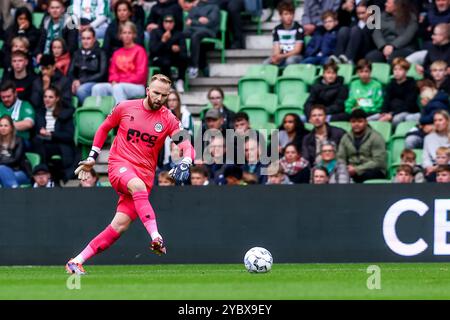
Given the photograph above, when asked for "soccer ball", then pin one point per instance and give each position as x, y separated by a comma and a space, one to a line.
258, 259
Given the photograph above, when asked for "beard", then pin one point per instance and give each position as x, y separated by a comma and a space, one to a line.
154, 106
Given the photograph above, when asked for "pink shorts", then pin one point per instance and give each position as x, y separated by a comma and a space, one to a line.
119, 176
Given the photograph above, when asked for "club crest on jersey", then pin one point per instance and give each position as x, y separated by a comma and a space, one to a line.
158, 127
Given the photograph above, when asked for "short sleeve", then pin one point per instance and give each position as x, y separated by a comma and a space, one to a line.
275, 35
27, 112
300, 34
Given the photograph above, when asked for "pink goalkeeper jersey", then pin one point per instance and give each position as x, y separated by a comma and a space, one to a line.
140, 137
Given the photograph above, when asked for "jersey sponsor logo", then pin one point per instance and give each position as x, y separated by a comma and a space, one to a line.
135, 136
158, 127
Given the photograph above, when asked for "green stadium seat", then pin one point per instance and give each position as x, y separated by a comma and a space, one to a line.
345, 125
396, 147
346, 71
382, 72
1, 44
75, 101
294, 100
412, 72
104, 103
403, 128
266, 101
258, 117
382, 127
33, 158
87, 121
37, 19
287, 86
105, 183
305, 72
219, 43
377, 181
267, 72
250, 86
100, 42
419, 154
309, 126
1, 72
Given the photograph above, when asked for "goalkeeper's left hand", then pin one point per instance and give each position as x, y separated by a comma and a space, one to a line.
181, 172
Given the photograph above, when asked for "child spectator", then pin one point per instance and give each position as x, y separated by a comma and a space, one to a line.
313, 10
92, 14
431, 100
92, 180
165, 180
408, 157
21, 112
88, 66
128, 68
329, 91
320, 175
443, 174
55, 26
397, 35
400, 100
199, 176
404, 174
123, 11
287, 38
439, 138
363, 150
21, 74
50, 76
61, 55
442, 158
12, 155
54, 135
167, 49
42, 177
276, 175
296, 167
292, 130
337, 170
234, 176
23, 27
202, 21
323, 42
365, 93
355, 41
440, 77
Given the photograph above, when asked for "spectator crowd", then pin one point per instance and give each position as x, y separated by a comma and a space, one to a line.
83, 48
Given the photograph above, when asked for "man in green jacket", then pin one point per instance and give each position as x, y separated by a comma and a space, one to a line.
363, 150
365, 93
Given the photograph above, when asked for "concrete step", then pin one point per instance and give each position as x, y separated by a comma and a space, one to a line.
241, 56
235, 70
258, 42
204, 84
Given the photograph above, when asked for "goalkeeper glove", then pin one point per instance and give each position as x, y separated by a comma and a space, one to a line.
181, 172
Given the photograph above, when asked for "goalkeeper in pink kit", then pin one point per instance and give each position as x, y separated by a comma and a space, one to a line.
143, 126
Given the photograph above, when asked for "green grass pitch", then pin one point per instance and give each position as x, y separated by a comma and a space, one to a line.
229, 281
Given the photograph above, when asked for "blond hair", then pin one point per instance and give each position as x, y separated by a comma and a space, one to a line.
443, 150
440, 64
162, 78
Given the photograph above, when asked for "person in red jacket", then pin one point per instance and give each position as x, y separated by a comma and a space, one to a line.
128, 68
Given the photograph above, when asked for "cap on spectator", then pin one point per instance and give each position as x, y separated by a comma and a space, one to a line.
425, 120
47, 60
42, 167
358, 114
168, 17
213, 114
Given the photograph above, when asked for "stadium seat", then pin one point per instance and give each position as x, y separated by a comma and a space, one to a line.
382, 127
396, 147
105, 103
87, 121
219, 43
231, 101
105, 183
1, 44
309, 126
258, 117
346, 71
250, 86
382, 72
75, 101
1, 72
305, 72
265, 101
377, 181
267, 72
294, 100
37, 19
287, 86
33, 158
345, 125
419, 154
412, 72
403, 128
